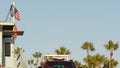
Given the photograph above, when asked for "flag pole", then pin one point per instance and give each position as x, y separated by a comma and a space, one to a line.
13, 18
13, 12
7, 15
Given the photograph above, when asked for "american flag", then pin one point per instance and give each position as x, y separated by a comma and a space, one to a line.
17, 15
14, 12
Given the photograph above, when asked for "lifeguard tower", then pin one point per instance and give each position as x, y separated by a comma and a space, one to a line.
7, 44
8, 33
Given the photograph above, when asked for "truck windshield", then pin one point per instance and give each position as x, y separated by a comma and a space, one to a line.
60, 65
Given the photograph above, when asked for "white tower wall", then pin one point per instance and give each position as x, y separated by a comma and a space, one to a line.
8, 60
0, 45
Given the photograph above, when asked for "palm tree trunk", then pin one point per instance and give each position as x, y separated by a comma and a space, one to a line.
99, 66
111, 54
88, 57
37, 62
87, 51
93, 66
30, 64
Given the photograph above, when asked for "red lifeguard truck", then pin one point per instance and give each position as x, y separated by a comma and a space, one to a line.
57, 61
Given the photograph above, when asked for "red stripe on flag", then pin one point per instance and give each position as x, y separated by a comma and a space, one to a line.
17, 15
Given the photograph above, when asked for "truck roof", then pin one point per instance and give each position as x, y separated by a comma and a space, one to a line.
58, 61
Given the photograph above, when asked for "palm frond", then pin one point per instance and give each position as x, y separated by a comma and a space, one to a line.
62, 51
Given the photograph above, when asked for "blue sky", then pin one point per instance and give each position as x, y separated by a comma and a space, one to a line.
53, 23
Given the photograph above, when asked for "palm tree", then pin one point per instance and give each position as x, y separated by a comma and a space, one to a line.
99, 60
114, 63
17, 51
94, 61
48, 58
84, 66
30, 62
90, 60
37, 55
88, 46
77, 63
62, 51
41, 63
106, 63
111, 46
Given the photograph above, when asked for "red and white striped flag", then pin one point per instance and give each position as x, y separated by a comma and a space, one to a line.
14, 12
17, 15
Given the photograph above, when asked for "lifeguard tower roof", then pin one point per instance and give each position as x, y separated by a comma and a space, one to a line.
7, 29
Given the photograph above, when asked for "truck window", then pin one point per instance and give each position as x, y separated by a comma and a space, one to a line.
60, 65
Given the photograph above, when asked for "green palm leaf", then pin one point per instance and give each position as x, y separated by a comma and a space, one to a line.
62, 51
